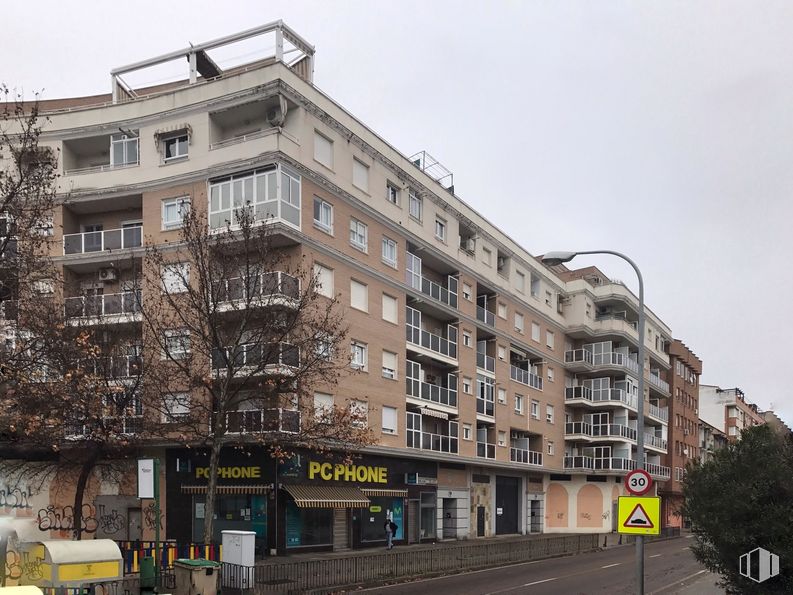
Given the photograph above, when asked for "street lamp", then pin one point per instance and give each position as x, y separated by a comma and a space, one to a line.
557, 258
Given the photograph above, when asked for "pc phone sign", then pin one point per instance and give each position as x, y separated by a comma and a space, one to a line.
638, 482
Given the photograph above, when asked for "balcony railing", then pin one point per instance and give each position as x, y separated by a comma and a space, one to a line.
613, 464
525, 377
659, 470
431, 392
258, 421
616, 316
124, 425
485, 407
256, 355
578, 462
603, 395
115, 366
615, 359
658, 382
578, 393
657, 412
613, 431
529, 457
98, 306
576, 356
429, 441
485, 316
432, 289
99, 241
486, 450
431, 341
275, 283
577, 428
485, 362
654, 441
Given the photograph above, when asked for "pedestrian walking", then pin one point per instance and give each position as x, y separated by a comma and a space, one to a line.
389, 534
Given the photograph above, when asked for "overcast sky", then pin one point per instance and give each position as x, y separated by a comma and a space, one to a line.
660, 129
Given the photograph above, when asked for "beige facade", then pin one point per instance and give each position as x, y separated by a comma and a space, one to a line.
517, 381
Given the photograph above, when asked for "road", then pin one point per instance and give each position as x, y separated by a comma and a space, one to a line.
670, 567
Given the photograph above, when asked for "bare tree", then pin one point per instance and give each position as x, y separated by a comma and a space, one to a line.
238, 339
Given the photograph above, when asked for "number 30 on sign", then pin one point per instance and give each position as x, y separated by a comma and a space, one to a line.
638, 482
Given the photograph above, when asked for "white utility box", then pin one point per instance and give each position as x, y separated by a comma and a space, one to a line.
238, 550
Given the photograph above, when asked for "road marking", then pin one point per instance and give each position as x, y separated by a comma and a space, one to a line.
538, 582
610, 565
689, 536
685, 548
656, 555
677, 582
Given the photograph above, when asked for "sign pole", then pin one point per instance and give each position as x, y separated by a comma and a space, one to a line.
157, 560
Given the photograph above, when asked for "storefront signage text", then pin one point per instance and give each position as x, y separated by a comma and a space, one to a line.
339, 472
231, 472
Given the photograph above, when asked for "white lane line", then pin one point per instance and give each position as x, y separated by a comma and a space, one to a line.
685, 548
656, 555
677, 583
610, 565
689, 536
538, 582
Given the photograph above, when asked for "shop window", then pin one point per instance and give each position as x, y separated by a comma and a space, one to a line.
428, 515
380, 509
308, 526
234, 512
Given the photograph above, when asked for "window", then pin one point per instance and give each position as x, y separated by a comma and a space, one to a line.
466, 431
360, 175
123, 150
502, 310
389, 308
45, 226
323, 215
324, 280
487, 256
323, 405
440, 229
175, 277
535, 285
548, 298
177, 344
467, 385
535, 409
359, 234
360, 356
550, 447
389, 365
549, 338
323, 150
392, 193
359, 295
502, 396
550, 375
174, 211
520, 281
174, 147
518, 321
176, 407
467, 342
359, 411
467, 291
519, 404
502, 352
535, 332
549, 413
389, 252
324, 347
502, 438
389, 420
416, 205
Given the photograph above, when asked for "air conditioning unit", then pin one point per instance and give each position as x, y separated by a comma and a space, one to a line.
468, 244
276, 114
108, 274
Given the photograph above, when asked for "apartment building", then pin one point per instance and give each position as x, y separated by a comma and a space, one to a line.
711, 439
728, 410
776, 422
503, 394
684, 432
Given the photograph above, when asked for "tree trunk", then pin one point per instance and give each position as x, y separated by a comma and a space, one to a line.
212, 482
79, 492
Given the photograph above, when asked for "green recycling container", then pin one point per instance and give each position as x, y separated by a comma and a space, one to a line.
147, 578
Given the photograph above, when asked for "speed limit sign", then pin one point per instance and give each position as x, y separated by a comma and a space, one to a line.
638, 482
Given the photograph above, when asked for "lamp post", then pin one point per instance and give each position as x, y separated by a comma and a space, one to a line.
556, 258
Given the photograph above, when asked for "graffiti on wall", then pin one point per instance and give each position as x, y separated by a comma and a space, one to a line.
111, 522
150, 517
61, 518
16, 497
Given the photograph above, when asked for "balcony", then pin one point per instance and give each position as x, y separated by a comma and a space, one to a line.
613, 396
659, 413
258, 421
111, 307
123, 425
115, 366
658, 471
431, 392
528, 457
485, 407
429, 441
262, 287
613, 464
446, 295
99, 241
577, 428
525, 377
99, 153
485, 316
578, 462
584, 359
578, 359
485, 362
256, 358
658, 383
432, 342
654, 441
613, 432
486, 450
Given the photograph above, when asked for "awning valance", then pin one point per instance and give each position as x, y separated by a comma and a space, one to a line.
433, 413
252, 489
385, 492
327, 496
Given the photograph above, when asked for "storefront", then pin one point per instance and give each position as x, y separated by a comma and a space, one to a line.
329, 504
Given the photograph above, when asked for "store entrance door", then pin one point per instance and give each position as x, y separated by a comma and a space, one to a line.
413, 521
341, 530
536, 516
507, 499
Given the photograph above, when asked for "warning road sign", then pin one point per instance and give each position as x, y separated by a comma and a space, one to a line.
639, 515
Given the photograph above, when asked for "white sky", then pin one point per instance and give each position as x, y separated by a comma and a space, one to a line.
660, 129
